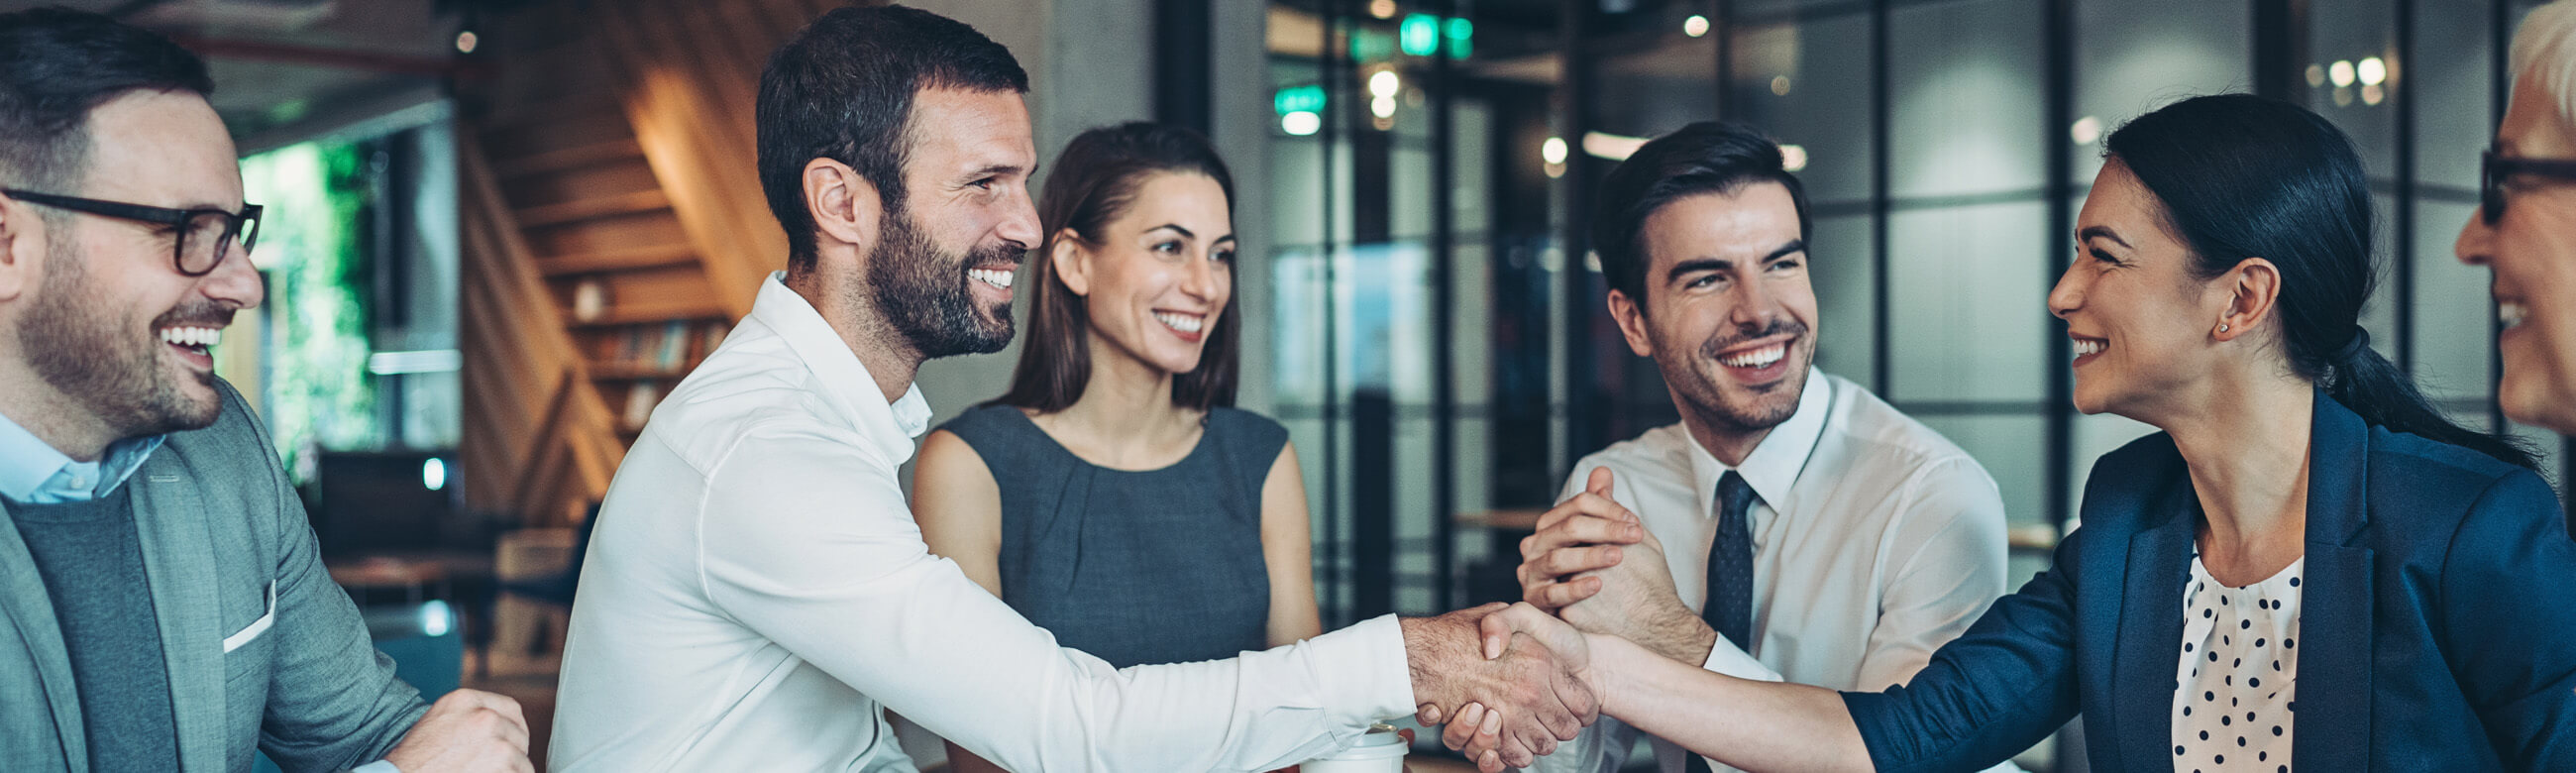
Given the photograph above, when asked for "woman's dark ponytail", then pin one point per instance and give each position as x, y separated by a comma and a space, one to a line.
2242, 176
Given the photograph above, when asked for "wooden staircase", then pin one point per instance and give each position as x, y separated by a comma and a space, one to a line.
615, 227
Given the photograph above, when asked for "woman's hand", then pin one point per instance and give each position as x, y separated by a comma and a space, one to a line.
1556, 635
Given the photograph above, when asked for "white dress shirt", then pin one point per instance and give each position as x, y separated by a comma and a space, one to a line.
1875, 542
756, 588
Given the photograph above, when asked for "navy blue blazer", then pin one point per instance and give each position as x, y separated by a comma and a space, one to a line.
2438, 622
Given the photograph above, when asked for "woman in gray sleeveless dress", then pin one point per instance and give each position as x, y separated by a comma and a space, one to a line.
1113, 496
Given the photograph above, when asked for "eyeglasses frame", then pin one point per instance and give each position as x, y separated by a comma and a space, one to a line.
243, 225
2495, 168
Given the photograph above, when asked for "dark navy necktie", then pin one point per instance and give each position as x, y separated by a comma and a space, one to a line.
1730, 564
1730, 573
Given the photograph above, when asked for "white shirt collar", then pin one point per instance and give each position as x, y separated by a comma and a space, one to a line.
1774, 465
845, 382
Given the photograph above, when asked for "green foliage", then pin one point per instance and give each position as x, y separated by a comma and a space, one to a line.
319, 394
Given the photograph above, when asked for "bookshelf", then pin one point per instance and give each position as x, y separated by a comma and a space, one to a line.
638, 363
637, 304
619, 228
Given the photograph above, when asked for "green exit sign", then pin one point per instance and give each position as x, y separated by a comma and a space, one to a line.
1308, 98
1421, 34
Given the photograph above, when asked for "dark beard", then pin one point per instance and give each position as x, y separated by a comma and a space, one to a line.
1707, 402
78, 350
922, 293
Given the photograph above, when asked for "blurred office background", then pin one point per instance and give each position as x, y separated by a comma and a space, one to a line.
500, 229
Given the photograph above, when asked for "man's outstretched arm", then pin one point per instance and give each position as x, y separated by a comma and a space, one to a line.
853, 591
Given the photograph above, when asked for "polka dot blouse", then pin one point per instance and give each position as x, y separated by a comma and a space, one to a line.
2240, 665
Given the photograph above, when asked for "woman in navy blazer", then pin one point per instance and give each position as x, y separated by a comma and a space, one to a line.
2403, 583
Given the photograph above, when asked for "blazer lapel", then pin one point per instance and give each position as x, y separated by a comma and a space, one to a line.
2333, 706
2150, 635
2335, 638
24, 602
183, 579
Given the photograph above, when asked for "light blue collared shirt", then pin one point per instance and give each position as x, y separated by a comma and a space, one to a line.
32, 472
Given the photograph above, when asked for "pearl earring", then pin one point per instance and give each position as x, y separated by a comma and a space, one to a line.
2222, 327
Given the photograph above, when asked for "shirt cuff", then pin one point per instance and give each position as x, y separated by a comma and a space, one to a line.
1365, 678
379, 766
1726, 659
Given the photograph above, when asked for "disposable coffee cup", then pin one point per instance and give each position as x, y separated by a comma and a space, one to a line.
1380, 750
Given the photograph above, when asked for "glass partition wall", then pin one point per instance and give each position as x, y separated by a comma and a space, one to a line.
1440, 343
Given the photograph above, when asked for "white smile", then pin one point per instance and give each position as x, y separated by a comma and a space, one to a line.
197, 337
1756, 358
2509, 314
2089, 346
1186, 323
999, 278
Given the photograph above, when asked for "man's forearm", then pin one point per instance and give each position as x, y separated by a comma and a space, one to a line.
1682, 639
1746, 724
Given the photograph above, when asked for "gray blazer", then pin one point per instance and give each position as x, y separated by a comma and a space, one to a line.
222, 535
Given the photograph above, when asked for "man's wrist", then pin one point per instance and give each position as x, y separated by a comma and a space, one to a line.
1362, 671
1682, 637
1430, 644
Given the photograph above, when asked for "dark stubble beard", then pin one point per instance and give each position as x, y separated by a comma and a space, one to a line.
921, 290
73, 342
1708, 402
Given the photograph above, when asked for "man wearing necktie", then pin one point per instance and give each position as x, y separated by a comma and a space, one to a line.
1816, 534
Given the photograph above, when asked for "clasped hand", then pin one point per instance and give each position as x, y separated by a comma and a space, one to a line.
1517, 627
1537, 700
466, 731
1592, 563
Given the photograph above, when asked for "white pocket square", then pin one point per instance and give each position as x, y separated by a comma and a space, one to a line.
267, 617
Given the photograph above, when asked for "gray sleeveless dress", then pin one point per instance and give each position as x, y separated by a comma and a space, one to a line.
1158, 566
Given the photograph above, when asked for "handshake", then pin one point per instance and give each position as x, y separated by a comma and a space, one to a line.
1527, 683
1507, 700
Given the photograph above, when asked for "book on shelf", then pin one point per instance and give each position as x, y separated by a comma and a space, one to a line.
640, 402
632, 348
665, 348
674, 346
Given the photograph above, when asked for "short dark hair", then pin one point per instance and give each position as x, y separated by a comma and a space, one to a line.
1704, 157
843, 90
56, 65
1094, 182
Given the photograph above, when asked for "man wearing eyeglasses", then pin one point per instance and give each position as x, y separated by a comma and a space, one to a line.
2525, 229
161, 604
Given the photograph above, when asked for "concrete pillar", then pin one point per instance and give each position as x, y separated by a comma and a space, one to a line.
1089, 64
1241, 130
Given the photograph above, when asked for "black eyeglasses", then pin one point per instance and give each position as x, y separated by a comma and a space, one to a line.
2494, 169
205, 235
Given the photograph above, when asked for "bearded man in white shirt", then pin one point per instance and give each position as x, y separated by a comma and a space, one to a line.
1815, 533
756, 590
